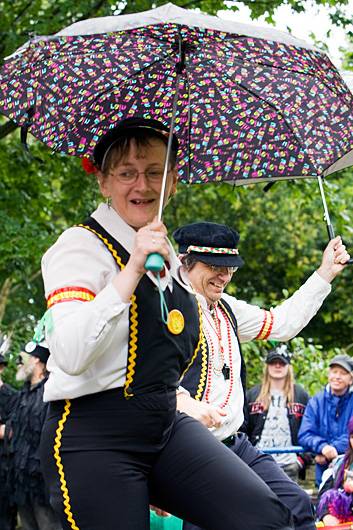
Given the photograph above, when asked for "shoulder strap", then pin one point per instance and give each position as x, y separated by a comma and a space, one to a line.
119, 253
227, 309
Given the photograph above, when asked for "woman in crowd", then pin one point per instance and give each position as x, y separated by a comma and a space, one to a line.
275, 410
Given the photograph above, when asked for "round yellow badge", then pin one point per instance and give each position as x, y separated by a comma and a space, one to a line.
175, 322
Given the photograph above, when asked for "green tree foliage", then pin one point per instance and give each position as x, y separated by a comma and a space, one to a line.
282, 233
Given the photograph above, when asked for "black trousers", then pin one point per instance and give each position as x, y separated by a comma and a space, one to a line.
7, 513
95, 484
270, 472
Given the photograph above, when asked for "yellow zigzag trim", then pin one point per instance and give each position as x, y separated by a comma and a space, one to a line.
203, 375
201, 343
130, 369
60, 467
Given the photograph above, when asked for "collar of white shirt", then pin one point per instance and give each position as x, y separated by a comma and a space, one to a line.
125, 234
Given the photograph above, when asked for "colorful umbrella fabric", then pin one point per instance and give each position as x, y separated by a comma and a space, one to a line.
254, 104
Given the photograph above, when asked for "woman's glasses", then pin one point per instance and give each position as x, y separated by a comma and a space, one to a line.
129, 176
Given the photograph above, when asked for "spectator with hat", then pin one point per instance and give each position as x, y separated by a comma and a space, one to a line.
25, 483
213, 386
275, 411
323, 430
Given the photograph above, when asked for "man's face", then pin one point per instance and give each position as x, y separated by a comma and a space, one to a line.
25, 368
339, 379
210, 281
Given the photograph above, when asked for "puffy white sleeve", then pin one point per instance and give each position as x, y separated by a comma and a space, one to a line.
284, 321
86, 308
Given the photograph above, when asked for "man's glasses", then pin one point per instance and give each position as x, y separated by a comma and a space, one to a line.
222, 270
129, 176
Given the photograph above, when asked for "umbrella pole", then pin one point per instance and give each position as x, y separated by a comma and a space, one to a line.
330, 230
169, 149
155, 261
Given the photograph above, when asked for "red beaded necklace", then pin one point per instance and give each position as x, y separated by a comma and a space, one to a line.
216, 326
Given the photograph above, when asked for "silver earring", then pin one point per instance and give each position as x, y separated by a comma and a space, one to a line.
108, 202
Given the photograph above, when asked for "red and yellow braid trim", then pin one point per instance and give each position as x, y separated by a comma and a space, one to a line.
68, 294
267, 325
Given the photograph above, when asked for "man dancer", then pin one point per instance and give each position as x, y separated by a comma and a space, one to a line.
213, 387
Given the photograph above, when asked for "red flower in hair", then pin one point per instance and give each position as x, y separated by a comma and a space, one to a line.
88, 166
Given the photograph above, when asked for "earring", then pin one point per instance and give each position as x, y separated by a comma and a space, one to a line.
108, 201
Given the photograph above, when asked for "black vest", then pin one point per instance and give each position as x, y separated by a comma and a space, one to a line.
156, 357
195, 378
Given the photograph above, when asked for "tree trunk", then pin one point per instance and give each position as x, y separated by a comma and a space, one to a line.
4, 295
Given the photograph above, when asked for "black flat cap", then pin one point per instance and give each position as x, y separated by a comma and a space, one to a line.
38, 350
211, 243
129, 128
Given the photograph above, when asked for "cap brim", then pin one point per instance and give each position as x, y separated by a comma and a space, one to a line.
277, 358
219, 260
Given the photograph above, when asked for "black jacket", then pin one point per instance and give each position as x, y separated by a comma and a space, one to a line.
25, 482
256, 415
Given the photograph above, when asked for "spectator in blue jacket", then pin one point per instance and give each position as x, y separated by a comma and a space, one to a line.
323, 430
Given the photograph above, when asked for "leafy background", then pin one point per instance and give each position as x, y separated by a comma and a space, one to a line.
282, 231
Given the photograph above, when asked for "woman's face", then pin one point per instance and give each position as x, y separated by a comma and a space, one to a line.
278, 369
137, 202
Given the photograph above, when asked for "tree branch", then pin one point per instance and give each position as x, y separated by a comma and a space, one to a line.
7, 128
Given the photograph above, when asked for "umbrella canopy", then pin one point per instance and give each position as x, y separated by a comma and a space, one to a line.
253, 104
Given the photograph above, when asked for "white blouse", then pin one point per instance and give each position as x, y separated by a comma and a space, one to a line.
89, 340
280, 323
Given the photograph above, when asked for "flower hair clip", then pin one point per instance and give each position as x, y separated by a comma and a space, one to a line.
88, 166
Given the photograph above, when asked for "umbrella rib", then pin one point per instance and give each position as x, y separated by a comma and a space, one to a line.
189, 124
127, 78
269, 66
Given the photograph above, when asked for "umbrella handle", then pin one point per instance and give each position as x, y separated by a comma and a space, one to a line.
331, 235
154, 262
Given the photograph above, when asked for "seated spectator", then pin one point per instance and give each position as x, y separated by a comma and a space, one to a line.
323, 430
275, 411
335, 501
23, 427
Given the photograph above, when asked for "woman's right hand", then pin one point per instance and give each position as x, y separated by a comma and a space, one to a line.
149, 239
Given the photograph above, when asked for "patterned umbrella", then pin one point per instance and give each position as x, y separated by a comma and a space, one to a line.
253, 103
248, 104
